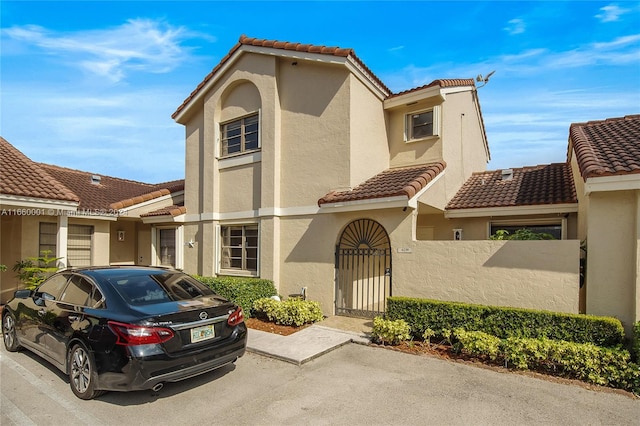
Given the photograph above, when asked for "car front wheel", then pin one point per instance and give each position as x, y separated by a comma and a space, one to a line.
9, 333
82, 373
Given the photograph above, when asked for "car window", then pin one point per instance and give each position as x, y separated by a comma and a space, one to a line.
159, 288
78, 291
52, 287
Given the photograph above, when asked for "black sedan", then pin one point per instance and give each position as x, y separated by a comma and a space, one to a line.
125, 328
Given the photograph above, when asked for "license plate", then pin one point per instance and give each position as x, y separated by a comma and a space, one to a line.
205, 332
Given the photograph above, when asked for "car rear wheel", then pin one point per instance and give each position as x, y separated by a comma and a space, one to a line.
9, 333
82, 373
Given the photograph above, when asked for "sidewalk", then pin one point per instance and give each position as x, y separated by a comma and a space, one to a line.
311, 342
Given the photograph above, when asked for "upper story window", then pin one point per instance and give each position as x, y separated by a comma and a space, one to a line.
422, 124
240, 135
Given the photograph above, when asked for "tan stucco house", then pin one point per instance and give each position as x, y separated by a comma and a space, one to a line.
83, 218
304, 168
605, 159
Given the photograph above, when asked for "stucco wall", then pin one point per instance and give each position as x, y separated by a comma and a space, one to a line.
612, 244
10, 253
526, 274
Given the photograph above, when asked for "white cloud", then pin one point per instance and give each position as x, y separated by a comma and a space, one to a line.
516, 26
137, 45
611, 13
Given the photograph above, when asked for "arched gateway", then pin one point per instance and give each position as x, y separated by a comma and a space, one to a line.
363, 269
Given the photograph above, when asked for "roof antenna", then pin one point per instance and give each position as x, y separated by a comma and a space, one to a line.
484, 80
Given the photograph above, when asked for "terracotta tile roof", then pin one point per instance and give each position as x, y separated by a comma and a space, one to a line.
110, 192
607, 147
406, 181
324, 50
20, 176
173, 211
536, 185
452, 82
159, 190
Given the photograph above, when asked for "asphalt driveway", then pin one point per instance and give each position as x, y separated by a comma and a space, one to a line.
352, 385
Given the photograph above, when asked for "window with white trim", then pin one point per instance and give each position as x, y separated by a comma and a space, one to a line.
241, 135
79, 244
422, 124
239, 248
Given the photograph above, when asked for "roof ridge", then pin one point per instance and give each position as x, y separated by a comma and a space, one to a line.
442, 82
608, 120
94, 173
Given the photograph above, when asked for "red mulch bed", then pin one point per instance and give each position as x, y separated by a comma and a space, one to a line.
271, 327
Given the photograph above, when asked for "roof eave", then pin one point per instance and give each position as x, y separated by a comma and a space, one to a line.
512, 210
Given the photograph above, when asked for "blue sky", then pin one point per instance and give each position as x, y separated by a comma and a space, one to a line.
92, 85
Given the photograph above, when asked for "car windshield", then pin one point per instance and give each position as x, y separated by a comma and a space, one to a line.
150, 289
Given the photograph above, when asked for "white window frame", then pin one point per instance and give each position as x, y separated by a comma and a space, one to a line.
562, 221
243, 151
408, 124
179, 246
220, 270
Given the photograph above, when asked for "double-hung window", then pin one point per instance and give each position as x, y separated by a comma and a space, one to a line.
239, 248
422, 124
240, 135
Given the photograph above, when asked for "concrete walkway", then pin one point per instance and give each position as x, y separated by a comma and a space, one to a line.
311, 342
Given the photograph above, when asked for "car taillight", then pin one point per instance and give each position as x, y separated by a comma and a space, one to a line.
235, 317
130, 335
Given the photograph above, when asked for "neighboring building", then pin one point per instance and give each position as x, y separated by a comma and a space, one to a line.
83, 218
304, 168
605, 158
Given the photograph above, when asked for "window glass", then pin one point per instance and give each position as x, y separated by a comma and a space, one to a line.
422, 125
555, 230
158, 288
240, 135
53, 286
167, 247
239, 247
48, 237
78, 292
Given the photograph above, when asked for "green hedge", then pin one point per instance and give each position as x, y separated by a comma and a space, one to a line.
243, 291
584, 361
423, 314
635, 345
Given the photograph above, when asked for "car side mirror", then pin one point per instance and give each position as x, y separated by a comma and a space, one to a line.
22, 294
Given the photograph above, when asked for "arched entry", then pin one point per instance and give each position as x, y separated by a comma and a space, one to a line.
363, 269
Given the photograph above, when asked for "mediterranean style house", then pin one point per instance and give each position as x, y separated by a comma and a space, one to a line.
302, 167
83, 218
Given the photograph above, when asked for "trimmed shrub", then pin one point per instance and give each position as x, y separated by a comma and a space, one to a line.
243, 291
584, 361
294, 311
502, 322
390, 332
635, 344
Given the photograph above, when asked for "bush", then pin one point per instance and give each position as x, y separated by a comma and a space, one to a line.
390, 332
584, 361
635, 344
294, 311
243, 291
423, 314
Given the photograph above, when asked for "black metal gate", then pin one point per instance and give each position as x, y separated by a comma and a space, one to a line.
363, 269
